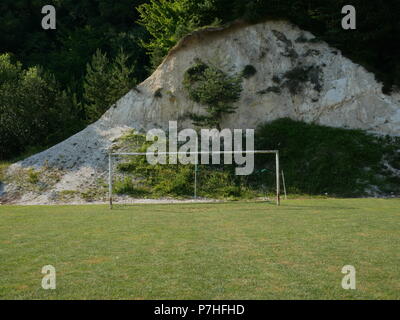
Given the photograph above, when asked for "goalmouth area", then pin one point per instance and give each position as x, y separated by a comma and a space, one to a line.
112, 156
235, 250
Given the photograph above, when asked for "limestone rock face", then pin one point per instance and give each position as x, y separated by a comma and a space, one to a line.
297, 77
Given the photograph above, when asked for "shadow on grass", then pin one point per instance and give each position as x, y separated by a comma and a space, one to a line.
261, 204
127, 206
317, 207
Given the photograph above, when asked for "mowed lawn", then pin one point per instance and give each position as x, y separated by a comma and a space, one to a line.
234, 250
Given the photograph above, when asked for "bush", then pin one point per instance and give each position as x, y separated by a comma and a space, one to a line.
128, 187
214, 89
33, 176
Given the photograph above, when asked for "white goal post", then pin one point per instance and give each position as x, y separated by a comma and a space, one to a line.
111, 155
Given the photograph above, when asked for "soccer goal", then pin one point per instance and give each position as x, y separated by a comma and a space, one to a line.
113, 158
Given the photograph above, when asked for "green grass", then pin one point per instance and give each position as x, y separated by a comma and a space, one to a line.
203, 251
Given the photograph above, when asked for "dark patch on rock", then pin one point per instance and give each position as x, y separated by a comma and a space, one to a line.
274, 89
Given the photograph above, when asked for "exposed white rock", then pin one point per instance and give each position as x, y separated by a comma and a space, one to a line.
342, 94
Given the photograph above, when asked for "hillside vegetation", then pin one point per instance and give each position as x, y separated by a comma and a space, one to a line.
316, 160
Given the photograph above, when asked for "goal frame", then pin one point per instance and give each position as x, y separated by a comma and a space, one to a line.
112, 155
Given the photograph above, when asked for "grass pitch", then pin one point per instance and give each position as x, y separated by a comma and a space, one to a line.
203, 251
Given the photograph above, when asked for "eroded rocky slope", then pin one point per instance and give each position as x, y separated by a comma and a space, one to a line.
296, 76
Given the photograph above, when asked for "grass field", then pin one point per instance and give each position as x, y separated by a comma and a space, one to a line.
203, 251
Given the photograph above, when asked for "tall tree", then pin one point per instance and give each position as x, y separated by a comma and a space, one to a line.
105, 82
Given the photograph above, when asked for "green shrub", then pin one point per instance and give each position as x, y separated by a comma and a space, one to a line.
33, 176
214, 89
128, 187
215, 182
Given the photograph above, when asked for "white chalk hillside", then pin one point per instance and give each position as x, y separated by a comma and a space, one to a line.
340, 93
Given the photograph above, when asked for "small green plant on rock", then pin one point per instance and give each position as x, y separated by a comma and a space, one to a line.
214, 89
33, 176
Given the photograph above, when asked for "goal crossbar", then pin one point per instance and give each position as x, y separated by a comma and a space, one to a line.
111, 155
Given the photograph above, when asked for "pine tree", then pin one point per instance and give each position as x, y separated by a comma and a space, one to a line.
97, 86
105, 83
122, 80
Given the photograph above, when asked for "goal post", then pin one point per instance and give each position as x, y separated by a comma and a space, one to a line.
197, 153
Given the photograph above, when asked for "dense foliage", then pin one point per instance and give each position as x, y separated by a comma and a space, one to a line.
341, 162
34, 111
